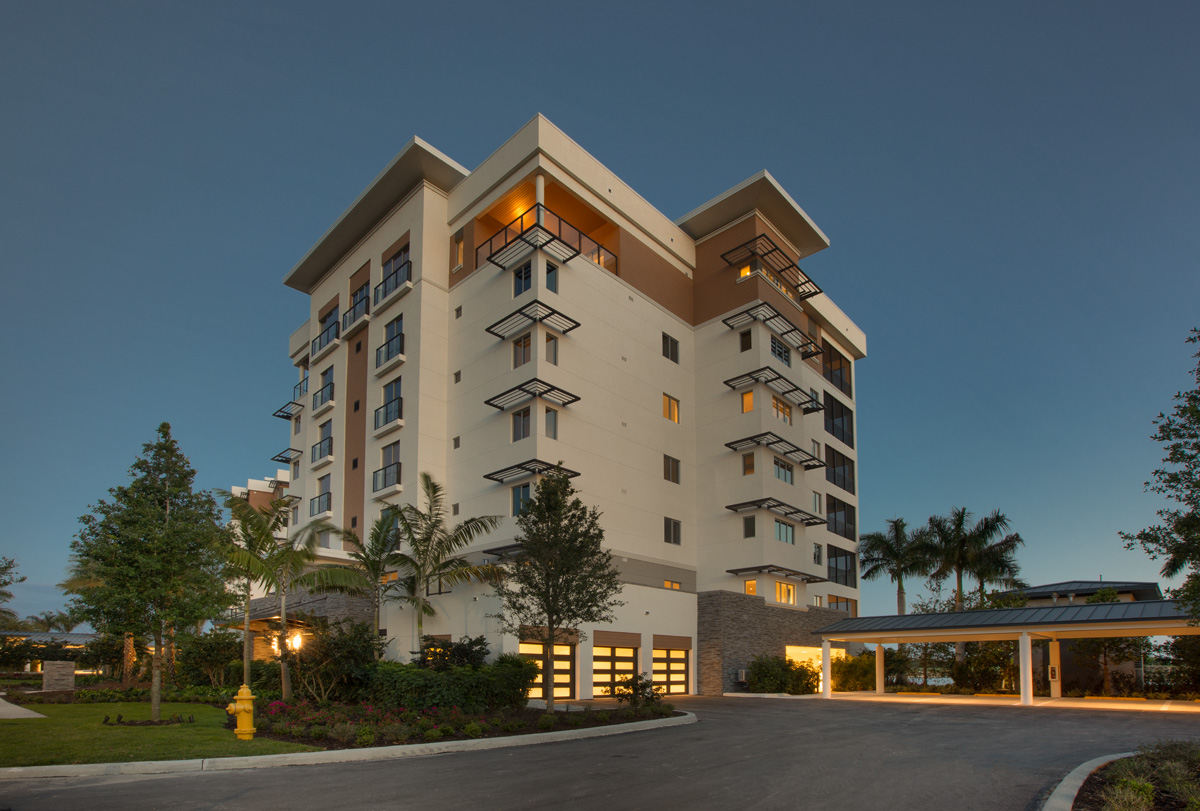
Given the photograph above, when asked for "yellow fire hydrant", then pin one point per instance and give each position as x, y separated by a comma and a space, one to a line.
242, 709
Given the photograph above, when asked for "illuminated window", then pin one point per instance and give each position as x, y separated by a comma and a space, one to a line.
784, 471
672, 584
751, 587
747, 464
782, 410
844, 604
522, 353
670, 670
458, 253
747, 402
610, 665
560, 667
670, 408
785, 593
522, 279
785, 532
671, 468
817, 600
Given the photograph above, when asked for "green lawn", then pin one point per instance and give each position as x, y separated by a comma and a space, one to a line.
73, 733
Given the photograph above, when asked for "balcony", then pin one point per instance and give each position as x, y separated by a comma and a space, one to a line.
322, 399
321, 506
389, 356
327, 340
357, 317
394, 286
385, 482
322, 453
389, 417
763, 257
539, 227
300, 389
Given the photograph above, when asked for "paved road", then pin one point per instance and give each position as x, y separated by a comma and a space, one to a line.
744, 753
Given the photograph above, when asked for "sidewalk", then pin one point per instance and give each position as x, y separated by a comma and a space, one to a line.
13, 711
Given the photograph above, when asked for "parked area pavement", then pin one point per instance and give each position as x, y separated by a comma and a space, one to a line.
1114, 704
13, 711
852, 753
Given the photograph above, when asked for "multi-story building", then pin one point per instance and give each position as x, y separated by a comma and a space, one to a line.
484, 325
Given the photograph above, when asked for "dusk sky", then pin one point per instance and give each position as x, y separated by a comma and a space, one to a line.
1011, 193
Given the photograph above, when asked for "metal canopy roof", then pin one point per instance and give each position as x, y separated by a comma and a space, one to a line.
775, 260
532, 313
782, 571
286, 457
289, 410
508, 550
1082, 588
529, 468
533, 387
775, 320
779, 384
777, 506
1140, 618
780, 446
43, 637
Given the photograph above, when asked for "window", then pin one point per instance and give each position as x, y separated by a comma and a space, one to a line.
296, 426
747, 464
783, 411
816, 503
458, 312
671, 468
783, 471
785, 532
669, 670
670, 408
552, 277
520, 424
816, 449
397, 265
672, 531
323, 539
388, 474
746, 340
785, 593
748, 526
780, 350
839, 419
458, 252
295, 470
836, 368
393, 341
522, 279
670, 348
457, 442
324, 446
747, 402
611, 664
817, 601
672, 584
522, 350
324, 394
360, 299
321, 503
817, 553
454, 508
841, 567
839, 469
551, 423
552, 349
750, 587
520, 496
839, 517
458, 377
390, 454
844, 604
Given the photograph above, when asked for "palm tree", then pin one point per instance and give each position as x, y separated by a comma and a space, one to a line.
432, 551
896, 553
996, 565
372, 562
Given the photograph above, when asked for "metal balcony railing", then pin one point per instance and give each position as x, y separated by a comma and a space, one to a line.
390, 411
389, 350
328, 336
322, 449
320, 504
356, 311
322, 395
399, 275
387, 476
539, 227
300, 390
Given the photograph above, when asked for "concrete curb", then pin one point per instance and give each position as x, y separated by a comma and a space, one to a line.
338, 755
1063, 796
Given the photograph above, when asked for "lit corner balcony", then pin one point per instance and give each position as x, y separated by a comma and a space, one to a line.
761, 256
393, 287
326, 342
322, 400
320, 508
322, 453
357, 317
389, 417
389, 356
385, 482
539, 227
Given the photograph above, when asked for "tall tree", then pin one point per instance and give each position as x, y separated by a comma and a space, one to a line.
8, 576
155, 549
372, 561
896, 553
562, 577
1176, 537
1110, 652
429, 555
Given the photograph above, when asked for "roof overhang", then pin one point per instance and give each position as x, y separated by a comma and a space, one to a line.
416, 162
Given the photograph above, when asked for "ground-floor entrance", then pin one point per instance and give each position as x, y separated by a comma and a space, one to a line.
555, 670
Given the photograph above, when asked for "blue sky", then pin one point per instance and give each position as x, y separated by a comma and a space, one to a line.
1011, 195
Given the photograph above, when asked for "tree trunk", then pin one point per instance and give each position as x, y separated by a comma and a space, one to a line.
375, 639
1106, 683
128, 662
156, 678
285, 680
548, 668
169, 657
247, 643
901, 607
960, 648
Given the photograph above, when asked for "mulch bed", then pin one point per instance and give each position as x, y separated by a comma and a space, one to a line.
1090, 796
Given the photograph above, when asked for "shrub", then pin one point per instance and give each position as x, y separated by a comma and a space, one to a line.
473, 730
343, 732
604, 716
854, 672
203, 659
337, 661
473, 690
365, 736
433, 735
575, 719
438, 654
778, 674
547, 721
637, 690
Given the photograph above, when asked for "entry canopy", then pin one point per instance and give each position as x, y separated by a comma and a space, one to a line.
1077, 621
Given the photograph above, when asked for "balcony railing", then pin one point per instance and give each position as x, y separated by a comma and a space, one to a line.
320, 504
389, 350
301, 389
390, 411
388, 476
539, 227
322, 395
328, 336
322, 449
356, 311
398, 276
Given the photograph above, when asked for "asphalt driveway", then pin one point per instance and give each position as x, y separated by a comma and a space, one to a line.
744, 753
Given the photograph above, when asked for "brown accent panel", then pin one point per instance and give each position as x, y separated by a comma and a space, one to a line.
537, 633
395, 246
616, 639
672, 642
652, 275
354, 482
327, 309
259, 498
716, 290
361, 276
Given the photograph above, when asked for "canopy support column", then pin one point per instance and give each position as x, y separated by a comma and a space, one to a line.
826, 670
1055, 670
879, 668
1026, 669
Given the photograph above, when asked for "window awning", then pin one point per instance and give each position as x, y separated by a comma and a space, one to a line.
779, 445
780, 508
790, 391
289, 410
531, 467
789, 332
532, 313
781, 571
531, 388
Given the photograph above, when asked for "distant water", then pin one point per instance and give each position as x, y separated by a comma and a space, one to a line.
934, 681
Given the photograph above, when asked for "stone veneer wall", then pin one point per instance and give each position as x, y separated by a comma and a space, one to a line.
333, 607
733, 628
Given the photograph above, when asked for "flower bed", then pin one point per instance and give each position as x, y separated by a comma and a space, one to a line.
1162, 776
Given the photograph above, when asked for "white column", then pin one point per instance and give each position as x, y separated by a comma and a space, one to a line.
1026, 669
1055, 669
539, 188
826, 670
879, 654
